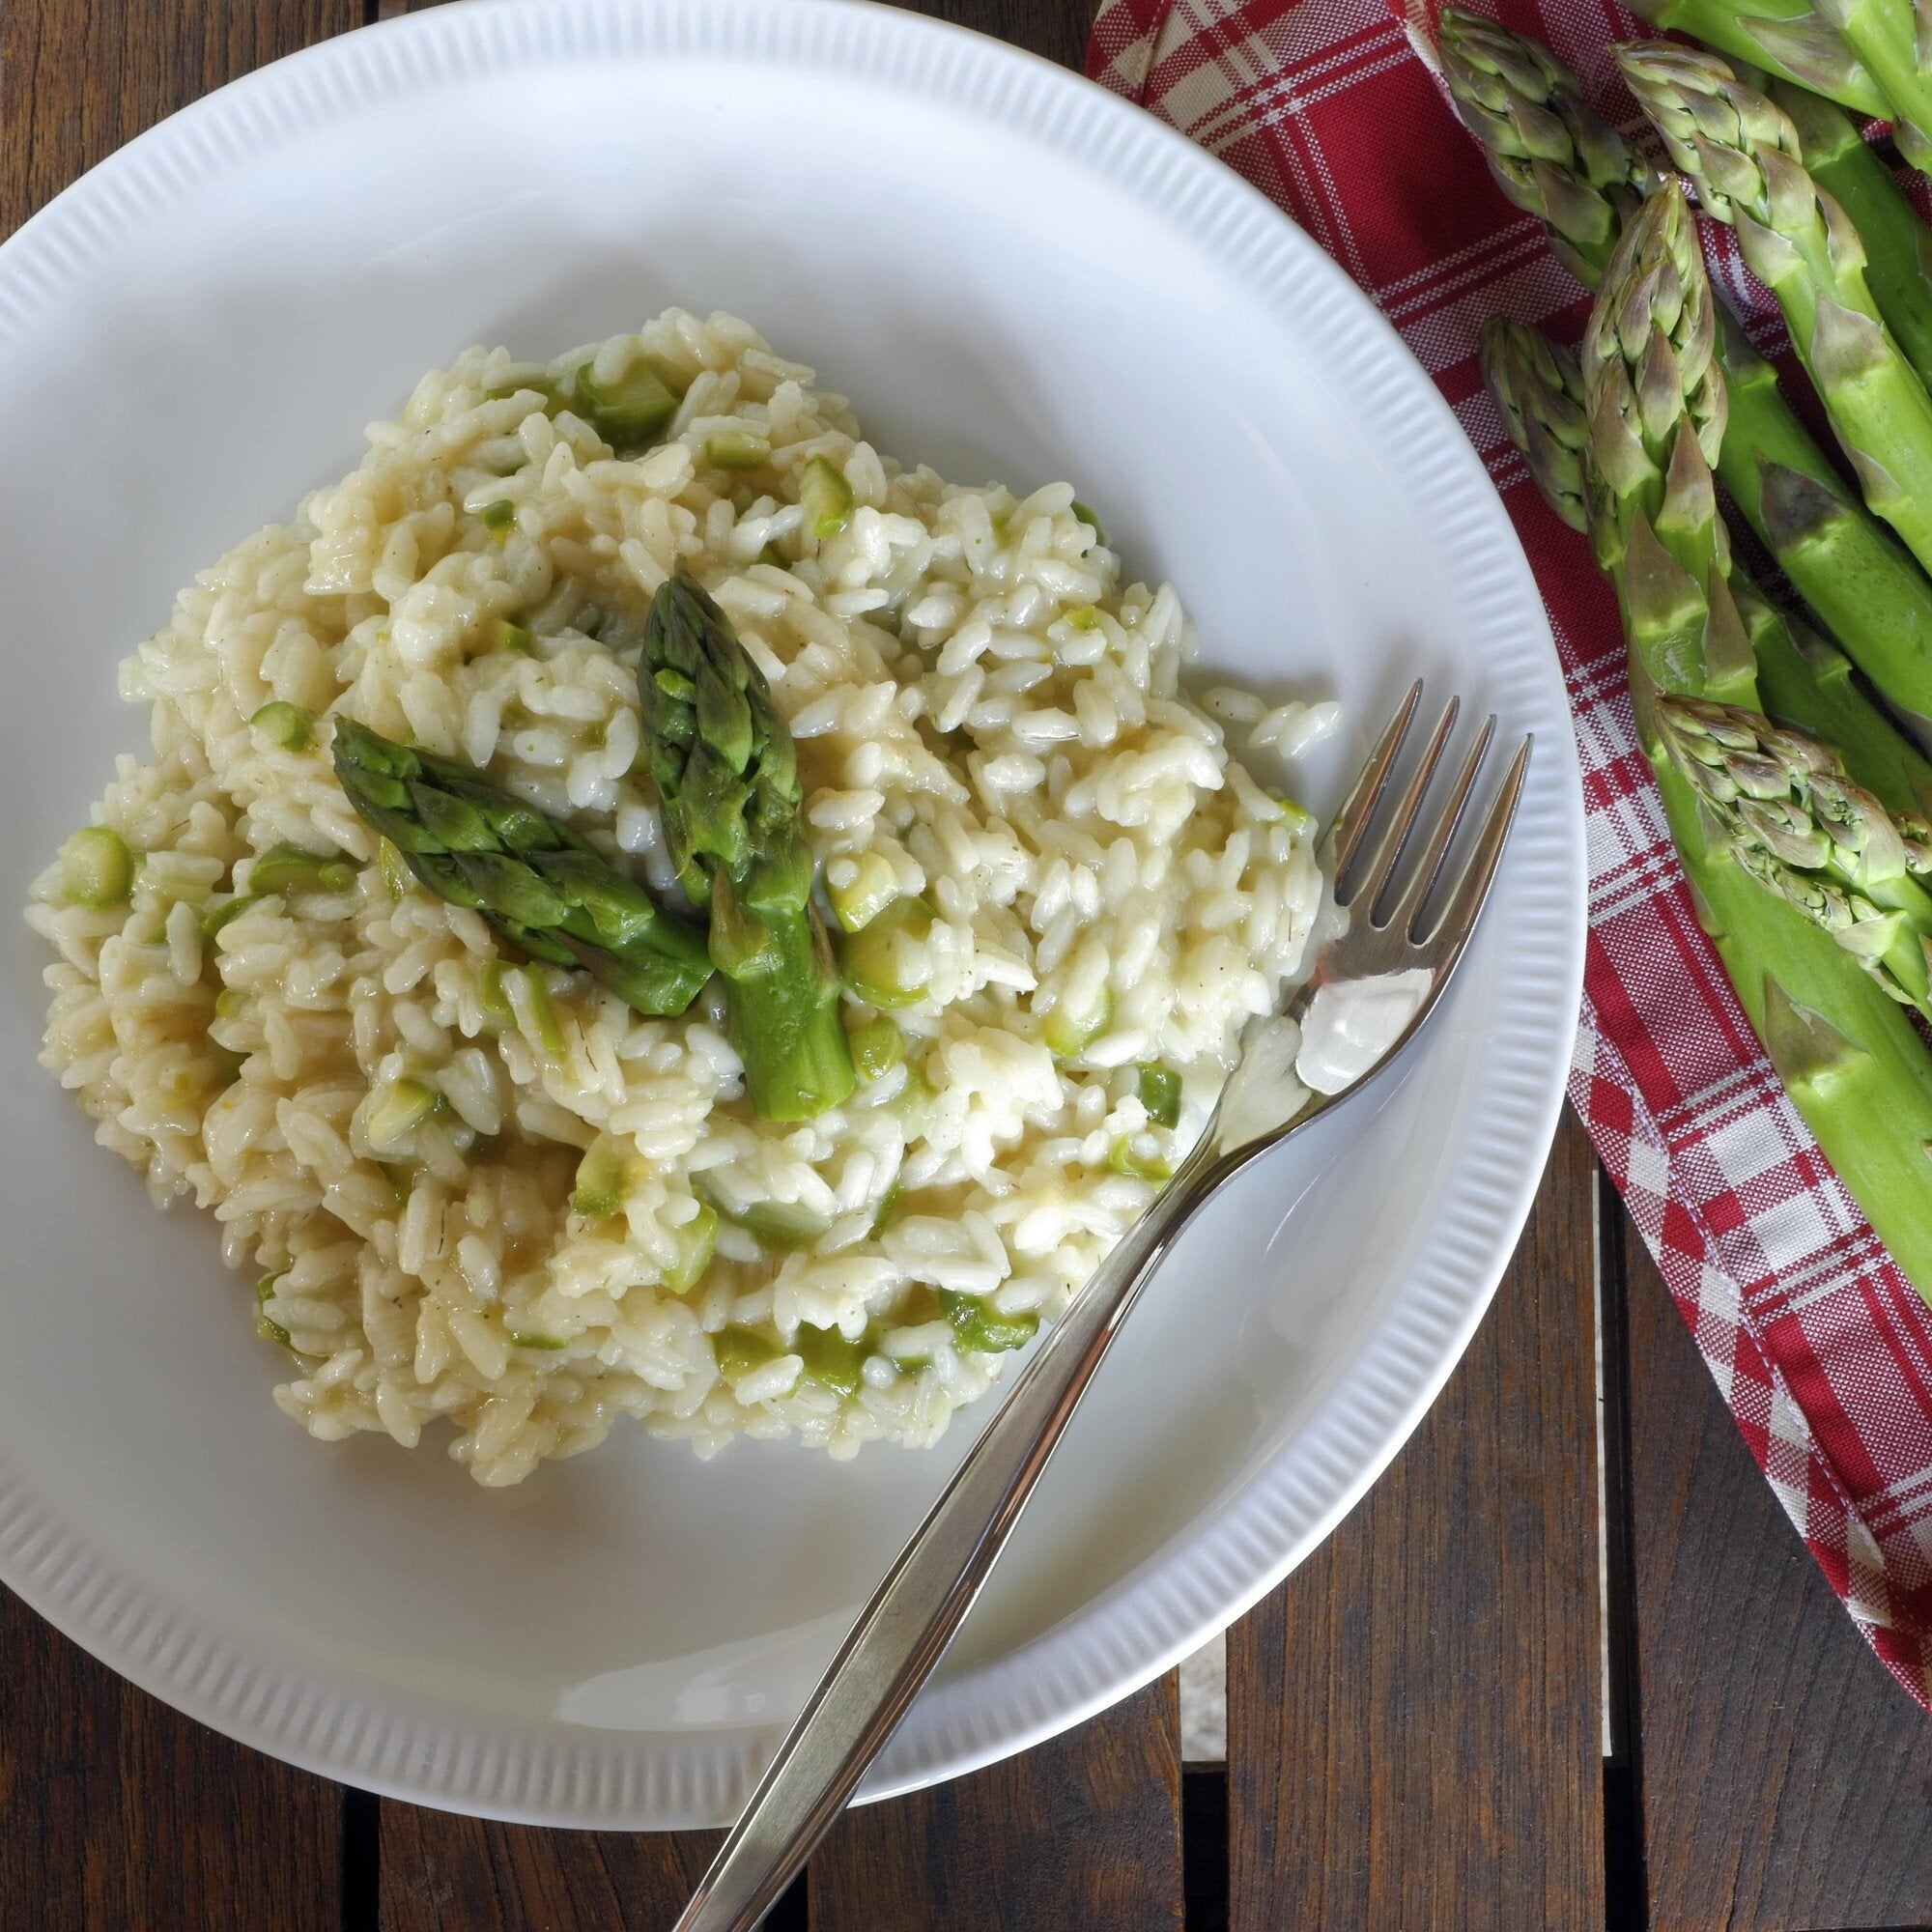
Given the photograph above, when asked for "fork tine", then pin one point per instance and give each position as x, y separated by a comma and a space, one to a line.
1389, 851
1407, 913
1352, 820
1466, 901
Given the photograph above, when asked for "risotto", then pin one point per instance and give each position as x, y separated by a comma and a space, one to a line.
473, 1186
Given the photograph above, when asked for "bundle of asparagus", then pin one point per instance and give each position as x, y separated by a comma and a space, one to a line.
1804, 841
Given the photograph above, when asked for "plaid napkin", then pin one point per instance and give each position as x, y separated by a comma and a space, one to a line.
1820, 1347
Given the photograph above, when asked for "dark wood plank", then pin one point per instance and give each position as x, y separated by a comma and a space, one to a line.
446, 1874
1081, 1832
114, 1811
1413, 1727
1785, 1778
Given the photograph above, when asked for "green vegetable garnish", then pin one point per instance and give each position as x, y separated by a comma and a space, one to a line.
504, 635
96, 868
290, 873
399, 1109
285, 725
871, 957
726, 772
830, 1358
214, 918
1160, 1093
393, 871
230, 1002
737, 449
1068, 1034
780, 1224
497, 518
1124, 1157
269, 1331
860, 899
696, 1242
825, 497
524, 1338
739, 1350
630, 412
1088, 518
981, 1329
877, 1048
605, 1177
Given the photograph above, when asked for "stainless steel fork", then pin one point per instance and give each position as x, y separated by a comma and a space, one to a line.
1397, 965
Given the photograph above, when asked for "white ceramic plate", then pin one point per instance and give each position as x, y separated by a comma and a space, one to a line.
1017, 276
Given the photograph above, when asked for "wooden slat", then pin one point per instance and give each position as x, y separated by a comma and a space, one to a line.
1413, 1727
1082, 1832
115, 1812
1785, 1778
444, 1874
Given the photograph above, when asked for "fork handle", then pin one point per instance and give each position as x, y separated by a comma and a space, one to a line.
902, 1634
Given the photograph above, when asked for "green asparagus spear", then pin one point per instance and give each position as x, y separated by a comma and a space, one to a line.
1898, 248
1805, 830
1845, 1051
536, 882
1786, 37
1538, 390
1551, 151
1891, 39
727, 774
1849, 569
1742, 152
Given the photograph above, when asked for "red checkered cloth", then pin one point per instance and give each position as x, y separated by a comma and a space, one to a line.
1820, 1347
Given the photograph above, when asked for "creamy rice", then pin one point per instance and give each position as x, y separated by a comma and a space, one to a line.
984, 716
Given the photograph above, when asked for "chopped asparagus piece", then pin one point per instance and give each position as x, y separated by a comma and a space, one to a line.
739, 1350
782, 1224
1088, 518
504, 635
859, 900
526, 1338
96, 868
497, 518
544, 387
1083, 618
399, 1109
285, 725
981, 1329
737, 449
393, 871
269, 1331
825, 497
1160, 1093
877, 1048
1136, 1162
214, 918
605, 1177
830, 1358
696, 1242
1068, 1034
290, 873
230, 1002
491, 993
630, 412
887, 1210
543, 1014
872, 959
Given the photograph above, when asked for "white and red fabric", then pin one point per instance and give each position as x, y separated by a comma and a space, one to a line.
1821, 1348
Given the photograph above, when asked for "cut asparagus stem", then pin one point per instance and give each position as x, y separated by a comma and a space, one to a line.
1895, 241
1742, 152
548, 890
1891, 39
727, 774
1873, 598
1785, 36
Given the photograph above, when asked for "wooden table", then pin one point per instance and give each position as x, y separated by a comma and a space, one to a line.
1426, 1728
